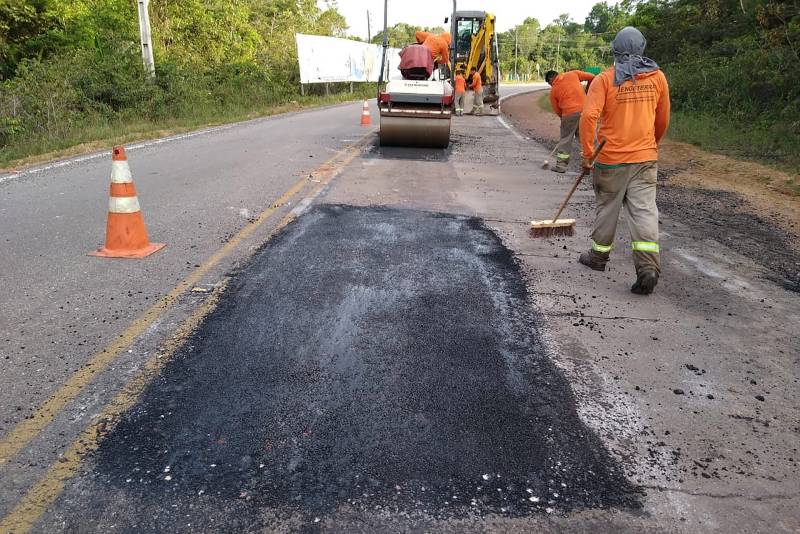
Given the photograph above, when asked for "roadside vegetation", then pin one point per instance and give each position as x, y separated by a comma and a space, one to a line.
731, 64
71, 71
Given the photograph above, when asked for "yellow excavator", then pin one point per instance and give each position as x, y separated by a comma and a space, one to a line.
475, 46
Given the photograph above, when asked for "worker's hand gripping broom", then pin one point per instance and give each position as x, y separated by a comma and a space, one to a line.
563, 227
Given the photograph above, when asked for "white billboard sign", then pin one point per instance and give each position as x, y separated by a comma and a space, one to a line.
330, 59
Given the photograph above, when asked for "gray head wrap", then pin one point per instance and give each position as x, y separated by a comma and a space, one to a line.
628, 47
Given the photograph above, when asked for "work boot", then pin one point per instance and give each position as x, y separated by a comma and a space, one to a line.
645, 282
594, 260
562, 162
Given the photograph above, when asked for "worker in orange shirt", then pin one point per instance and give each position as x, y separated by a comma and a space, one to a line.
476, 84
461, 91
566, 98
438, 44
631, 101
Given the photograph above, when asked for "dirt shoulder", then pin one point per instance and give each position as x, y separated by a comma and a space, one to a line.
751, 208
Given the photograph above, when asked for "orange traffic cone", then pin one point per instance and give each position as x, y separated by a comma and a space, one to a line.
365, 119
126, 236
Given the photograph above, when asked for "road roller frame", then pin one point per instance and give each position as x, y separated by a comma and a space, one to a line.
415, 113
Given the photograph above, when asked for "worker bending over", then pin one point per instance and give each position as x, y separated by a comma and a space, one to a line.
461, 90
476, 84
566, 98
438, 44
631, 101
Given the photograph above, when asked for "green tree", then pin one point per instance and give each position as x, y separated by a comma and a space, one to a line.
403, 34
604, 19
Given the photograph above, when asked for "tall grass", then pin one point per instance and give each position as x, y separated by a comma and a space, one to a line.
773, 144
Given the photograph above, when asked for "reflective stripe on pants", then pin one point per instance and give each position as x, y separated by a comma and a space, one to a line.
460, 101
604, 249
645, 246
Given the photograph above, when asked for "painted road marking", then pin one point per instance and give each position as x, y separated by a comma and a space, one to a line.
528, 88
26, 430
45, 491
36, 501
510, 128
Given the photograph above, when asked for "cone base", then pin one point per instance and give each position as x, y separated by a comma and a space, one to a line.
103, 252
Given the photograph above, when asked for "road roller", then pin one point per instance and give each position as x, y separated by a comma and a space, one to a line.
416, 113
415, 107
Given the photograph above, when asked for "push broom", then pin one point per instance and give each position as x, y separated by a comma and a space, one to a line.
546, 162
562, 227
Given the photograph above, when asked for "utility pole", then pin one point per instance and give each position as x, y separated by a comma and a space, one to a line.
558, 49
146, 39
369, 33
385, 43
516, 33
453, 48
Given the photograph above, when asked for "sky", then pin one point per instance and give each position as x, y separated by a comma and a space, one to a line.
432, 12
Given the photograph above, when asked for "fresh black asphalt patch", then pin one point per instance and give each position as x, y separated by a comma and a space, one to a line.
370, 360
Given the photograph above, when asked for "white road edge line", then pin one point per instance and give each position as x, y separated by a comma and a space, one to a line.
510, 128
104, 153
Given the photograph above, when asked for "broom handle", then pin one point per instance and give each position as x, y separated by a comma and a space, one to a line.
583, 173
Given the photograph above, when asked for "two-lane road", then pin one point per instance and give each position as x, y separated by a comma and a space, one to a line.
195, 193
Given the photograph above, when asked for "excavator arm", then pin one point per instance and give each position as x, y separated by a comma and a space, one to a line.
480, 53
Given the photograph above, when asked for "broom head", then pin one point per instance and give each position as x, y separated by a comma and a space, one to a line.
549, 228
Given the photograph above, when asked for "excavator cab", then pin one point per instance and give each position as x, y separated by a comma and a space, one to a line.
475, 45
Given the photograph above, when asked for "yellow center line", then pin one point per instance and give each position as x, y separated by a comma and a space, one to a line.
43, 493
28, 429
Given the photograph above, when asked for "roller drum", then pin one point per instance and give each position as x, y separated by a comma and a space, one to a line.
421, 132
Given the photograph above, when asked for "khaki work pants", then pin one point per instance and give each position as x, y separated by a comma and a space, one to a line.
460, 97
569, 129
477, 107
632, 186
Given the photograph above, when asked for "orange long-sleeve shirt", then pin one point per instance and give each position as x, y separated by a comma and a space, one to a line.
633, 117
475, 82
567, 95
438, 44
461, 84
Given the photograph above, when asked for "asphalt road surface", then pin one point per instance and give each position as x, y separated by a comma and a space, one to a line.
195, 194
340, 337
398, 369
